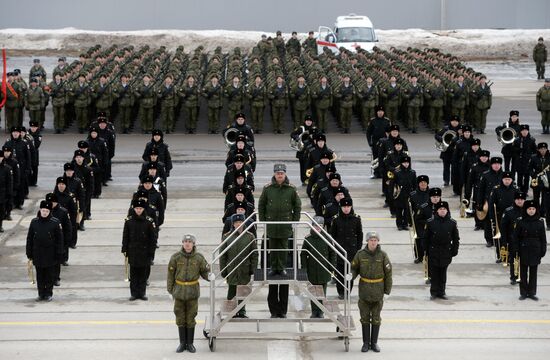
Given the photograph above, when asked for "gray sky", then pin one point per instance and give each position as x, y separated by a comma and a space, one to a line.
286, 15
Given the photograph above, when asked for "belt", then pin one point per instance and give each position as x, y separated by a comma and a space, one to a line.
372, 281
184, 283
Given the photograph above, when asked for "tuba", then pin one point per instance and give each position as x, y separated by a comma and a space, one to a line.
230, 136
298, 145
541, 177
506, 135
446, 139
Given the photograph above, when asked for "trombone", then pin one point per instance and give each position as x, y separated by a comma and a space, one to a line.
502, 251
412, 232
516, 267
126, 269
30, 271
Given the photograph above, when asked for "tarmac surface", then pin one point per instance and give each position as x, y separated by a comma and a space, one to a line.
91, 318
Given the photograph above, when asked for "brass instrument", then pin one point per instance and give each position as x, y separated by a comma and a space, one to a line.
481, 215
543, 178
516, 267
30, 271
334, 157
126, 269
413, 235
504, 255
230, 136
446, 138
506, 135
298, 145
309, 172
374, 164
497, 234
464, 203
396, 191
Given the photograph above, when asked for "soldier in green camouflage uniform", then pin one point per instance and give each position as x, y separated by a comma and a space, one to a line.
482, 99
14, 99
213, 93
102, 95
293, 47
436, 98
540, 55
58, 94
24, 87
301, 98
189, 94
168, 101
37, 71
310, 44
124, 93
278, 95
543, 105
346, 96
415, 100
279, 44
81, 94
368, 96
322, 96
35, 101
240, 260
256, 94
146, 96
458, 94
392, 97
182, 282
375, 271
319, 260
234, 93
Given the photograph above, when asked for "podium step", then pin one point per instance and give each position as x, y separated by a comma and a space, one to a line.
317, 291
228, 306
332, 306
243, 291
301, 275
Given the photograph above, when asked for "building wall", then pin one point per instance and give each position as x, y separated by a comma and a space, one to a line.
261, 15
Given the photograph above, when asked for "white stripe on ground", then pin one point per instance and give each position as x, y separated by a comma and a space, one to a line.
282, 350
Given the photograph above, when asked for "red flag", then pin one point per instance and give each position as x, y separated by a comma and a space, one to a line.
4, 80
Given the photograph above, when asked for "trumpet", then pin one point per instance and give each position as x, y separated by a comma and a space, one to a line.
126, 269
464, 203
309, 172
446, 140
504, 255
30, 271
516, 267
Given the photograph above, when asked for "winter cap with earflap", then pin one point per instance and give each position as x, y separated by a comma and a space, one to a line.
496, 160
237, 217
319, 220
442, 204
45, 205
421, 178
279, 168
434, 192
189, 237
51, 197
372, 235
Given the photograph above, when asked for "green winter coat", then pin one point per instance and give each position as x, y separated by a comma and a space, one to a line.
102, 96
482, 98
234, 96
435, 95
213, 96
540, 53
58, 93
81, 95
322, 97
35, 98
346, 96
458, 96
146, 96
189, 95
279, 203
125, 95
318, 258
184, 270
375, 271
13, 101
368, 96
167, 96
240, 260
543, 99
256, 95
278, 96
301, 97
415, 95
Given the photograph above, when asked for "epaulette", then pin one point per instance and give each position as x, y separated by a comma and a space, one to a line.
509, 208
496, 186
325, 188
412, 193
127, 218
357, 216
430, 219
424, 205
150, 219
453, 220
266, 185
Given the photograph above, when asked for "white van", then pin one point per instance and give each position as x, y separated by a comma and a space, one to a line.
350, 31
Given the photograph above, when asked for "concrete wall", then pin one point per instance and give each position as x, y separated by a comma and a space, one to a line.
286, 15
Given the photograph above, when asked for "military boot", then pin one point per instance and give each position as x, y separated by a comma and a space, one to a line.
183, 338
374, 338
366, 337
190, 336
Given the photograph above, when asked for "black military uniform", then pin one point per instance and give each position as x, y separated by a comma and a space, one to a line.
507, 226
98, 147
469, 159
76, 187
158, 181
530, 242
139, 241
418, 198
37, 141
405, 183
447, 155
441, 243
155, 198
153, 158
244, 128
318, 172
391, 163
502, 197
6, 188
539, 163
21, 152
376, 130
461, 145
471, 190
523, 149
62, 215
314, 156
163, 152
235, 189
489, 179
86, 175
109, 136
238, 207
91, 162
238, 168
249, 156
68, 201
507, 149
45, 249
424, 213
300, 134
347, 230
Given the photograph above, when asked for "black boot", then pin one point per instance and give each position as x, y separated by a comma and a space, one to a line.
374, 338
366, 337
190, 337
183, 338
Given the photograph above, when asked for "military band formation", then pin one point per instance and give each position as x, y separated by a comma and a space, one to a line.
386, 90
